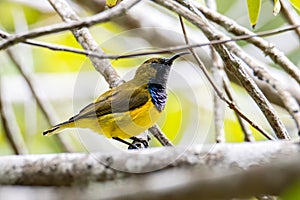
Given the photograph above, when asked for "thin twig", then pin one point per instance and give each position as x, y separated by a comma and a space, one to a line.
222, 76
54, 47
217, 70
248, 137
87, 22
211, 42
11, 129
288, 101
290, 15
161, 51
269, 49
219, 109
231, 104
86, 40
232, 63
44, 105
160, 136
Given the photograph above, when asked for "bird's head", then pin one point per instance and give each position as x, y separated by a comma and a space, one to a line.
156, 70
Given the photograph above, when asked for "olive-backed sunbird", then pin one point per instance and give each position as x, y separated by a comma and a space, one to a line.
128, 109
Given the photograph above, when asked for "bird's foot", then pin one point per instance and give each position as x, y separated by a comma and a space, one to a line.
130, 145
140, 143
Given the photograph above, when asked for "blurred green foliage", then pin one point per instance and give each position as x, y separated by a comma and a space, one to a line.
7, 9
292, 192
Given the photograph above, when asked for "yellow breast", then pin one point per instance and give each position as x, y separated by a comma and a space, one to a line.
124, 125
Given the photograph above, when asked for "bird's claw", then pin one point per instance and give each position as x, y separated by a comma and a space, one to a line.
139, 143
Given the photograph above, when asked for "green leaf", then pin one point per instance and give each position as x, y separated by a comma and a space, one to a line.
277, 7
253, 11
296, 4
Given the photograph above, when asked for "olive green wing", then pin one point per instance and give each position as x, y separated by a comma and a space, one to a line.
117, 100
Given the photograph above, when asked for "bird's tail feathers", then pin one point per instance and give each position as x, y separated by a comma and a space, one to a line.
59, 127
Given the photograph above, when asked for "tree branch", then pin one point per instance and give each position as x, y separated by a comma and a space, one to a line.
217, 72
220, 94
269, 49
43, 104
248, 137
87, 22
85, 39
290, 15
193, 184
54, 47
160, 136
232, 63
80, 168
10, 128
289, 102
219, 106
259, 71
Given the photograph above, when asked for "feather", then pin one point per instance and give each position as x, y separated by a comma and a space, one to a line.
115, 101
158, 95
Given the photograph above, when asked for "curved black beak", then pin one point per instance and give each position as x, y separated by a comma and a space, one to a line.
169, 61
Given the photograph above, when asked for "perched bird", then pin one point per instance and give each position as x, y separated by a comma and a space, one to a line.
129, 109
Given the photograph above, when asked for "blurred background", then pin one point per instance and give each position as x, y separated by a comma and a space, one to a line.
66, 82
